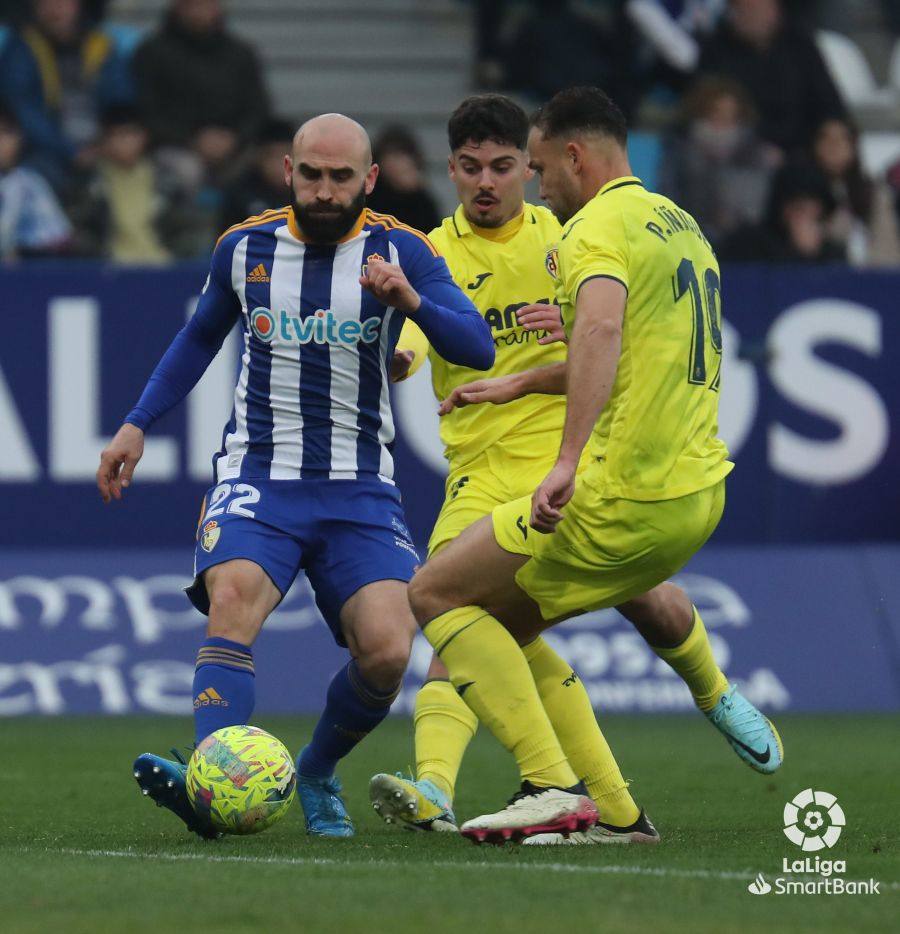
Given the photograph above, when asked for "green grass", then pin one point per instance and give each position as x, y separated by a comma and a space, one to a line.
81, 851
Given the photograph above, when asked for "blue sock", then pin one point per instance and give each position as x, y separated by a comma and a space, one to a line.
224, 686
352, 709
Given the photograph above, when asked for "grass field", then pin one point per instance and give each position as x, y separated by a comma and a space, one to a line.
81, 851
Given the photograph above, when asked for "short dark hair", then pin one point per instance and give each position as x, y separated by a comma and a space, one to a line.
581, 110
492, 117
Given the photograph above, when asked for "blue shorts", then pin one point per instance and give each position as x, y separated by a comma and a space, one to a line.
343, 533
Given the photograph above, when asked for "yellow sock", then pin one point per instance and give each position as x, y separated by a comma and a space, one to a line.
694, 661
444, 728
488, 669
569, 709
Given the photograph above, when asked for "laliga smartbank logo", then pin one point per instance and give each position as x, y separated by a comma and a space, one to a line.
813, 820
323, 327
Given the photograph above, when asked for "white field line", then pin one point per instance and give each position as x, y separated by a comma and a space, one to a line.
605, 869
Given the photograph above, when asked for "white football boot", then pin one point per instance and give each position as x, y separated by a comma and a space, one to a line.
641, 831
534, 810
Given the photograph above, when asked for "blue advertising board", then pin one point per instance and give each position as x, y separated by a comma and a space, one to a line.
809, 407
91, 613
801, 628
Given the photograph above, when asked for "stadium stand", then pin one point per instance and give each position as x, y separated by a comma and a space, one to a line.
402, 64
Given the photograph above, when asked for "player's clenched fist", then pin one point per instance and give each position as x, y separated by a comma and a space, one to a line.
118, 460
388, 283
549, 498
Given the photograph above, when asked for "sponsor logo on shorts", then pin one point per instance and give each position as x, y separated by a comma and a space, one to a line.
406, 546
522, 526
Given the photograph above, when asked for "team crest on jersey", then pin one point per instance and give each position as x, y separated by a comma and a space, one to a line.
372, 257
210, 535
552, 262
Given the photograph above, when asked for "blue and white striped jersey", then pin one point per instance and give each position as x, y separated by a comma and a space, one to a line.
312, 398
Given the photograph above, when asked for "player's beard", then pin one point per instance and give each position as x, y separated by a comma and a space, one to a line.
327, 226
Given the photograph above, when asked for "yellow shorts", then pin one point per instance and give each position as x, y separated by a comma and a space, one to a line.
488, 480
605, 551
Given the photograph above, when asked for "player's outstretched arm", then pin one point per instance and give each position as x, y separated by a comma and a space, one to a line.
176, 374
498, 390
592, 364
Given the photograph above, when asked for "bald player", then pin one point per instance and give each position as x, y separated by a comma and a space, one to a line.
303, 478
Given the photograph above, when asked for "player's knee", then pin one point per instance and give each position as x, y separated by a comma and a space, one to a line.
231, 612
383, 667
425, 596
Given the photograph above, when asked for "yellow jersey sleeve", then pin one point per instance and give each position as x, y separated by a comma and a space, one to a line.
412, 338
591, 250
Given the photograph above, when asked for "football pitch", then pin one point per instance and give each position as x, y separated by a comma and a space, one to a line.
80, 850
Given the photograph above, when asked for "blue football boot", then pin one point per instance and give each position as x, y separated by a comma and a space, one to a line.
751, 735
320, 798
165, 782
415, 805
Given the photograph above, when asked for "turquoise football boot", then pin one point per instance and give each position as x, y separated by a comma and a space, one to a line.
751, 735
415, 805
320, 798
165, 782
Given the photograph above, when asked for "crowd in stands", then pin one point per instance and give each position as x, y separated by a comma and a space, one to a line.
757, 142
141, 148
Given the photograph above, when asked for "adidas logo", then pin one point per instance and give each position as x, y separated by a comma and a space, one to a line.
259, 274
210, 698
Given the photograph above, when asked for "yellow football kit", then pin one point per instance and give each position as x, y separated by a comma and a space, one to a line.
498, 453
495, 453
653, 491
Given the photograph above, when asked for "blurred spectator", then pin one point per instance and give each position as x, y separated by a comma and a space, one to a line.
200, 87
15, 11
864, 222
556, 47
32, 223
125, 208
715, 165
489, 19
58, 74
674, 27
762, 47
400, 189
262, 186
795, 228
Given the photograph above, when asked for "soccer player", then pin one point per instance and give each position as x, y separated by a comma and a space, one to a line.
495, 245
303, 478
640, 296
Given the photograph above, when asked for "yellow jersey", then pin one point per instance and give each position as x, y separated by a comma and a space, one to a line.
499, 276
656, 438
